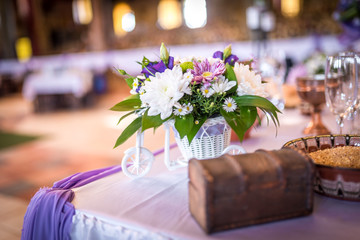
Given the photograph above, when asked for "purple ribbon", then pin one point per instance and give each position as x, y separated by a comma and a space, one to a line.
49, 214
213, 130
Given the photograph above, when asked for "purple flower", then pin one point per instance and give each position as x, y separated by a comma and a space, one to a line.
230, 59
171, 62
204, 72
154, 67
218, 54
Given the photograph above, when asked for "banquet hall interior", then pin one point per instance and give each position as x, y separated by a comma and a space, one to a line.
59, 78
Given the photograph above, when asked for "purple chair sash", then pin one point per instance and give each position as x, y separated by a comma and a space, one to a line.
49, 214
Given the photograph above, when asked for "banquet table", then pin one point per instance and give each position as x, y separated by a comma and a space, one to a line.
52, 81
156, 205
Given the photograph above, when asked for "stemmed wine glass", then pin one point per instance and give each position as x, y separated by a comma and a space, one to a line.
341, 85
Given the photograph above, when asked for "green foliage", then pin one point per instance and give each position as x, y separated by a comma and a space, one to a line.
195, 128
151, 121
122, 72
235, 123
129, 81
129, 104
231, 76
184, 124
260, 102
129, 131
126, 115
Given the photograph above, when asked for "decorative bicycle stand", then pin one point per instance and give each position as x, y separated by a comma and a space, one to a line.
138, 160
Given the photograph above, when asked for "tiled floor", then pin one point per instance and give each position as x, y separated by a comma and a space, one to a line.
71, 142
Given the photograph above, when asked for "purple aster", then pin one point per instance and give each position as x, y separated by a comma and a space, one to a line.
154, 67
204, 72
231, 60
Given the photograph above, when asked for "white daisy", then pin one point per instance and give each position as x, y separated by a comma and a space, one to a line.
163, 91
207, 92
135, 86
229, 104
188, 108
179, 111
249, 83
141, 91
222, 85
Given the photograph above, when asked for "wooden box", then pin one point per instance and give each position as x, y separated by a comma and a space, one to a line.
235, 191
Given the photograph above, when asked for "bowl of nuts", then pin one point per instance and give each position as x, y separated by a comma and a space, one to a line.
337, 161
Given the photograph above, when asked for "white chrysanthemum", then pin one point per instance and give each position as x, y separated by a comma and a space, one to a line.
229, 104
222, 85
186, 82
163, 91
249, 83
207, 92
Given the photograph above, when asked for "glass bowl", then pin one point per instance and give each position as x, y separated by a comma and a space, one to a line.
337, 182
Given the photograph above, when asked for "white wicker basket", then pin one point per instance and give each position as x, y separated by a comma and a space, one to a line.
210, 141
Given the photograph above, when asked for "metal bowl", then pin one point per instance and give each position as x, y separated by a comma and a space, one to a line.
337, 182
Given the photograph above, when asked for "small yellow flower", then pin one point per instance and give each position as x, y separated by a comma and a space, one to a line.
196, 122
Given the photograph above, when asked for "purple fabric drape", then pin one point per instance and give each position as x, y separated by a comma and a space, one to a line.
49, 214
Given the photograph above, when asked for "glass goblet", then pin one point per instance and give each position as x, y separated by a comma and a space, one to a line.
312, 90
341, 85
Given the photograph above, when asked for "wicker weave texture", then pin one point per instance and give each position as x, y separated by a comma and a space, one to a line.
208, 144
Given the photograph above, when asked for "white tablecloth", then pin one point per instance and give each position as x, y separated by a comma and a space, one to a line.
70, 81
156, 206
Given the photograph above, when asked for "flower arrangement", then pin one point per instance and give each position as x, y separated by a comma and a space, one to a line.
191, 90
348, 15
315, 63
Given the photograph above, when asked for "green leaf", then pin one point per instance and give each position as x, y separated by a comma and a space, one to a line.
230, 75
260, 102
248, 116
151, 121
255, 101
126, 115
235, 123
129, 131
122, 72
195, 128
129, 81
130, 103
184, 124
186, 65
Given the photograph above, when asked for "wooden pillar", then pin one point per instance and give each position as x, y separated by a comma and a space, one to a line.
96, 34
37, 28
7, 29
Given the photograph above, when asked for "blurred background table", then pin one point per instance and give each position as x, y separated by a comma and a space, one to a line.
156, 206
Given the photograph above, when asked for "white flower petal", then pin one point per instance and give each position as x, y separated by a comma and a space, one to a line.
164, 90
